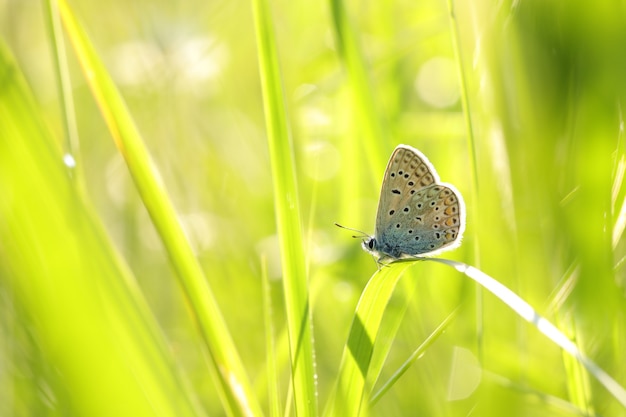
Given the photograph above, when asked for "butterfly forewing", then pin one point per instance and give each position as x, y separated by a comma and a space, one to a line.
406, 173
416, 215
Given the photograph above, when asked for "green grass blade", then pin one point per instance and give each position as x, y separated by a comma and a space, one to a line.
473, 213
366, 133
351, 392
76, 299
288, 218
369, 132
270, 346
65, 89
232, 379
465, 103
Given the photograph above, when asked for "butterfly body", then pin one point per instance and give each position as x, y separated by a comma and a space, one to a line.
417, 214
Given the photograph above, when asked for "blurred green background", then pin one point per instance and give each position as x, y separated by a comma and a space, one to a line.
541, 171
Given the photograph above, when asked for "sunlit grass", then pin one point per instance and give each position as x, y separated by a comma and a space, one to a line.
542, 178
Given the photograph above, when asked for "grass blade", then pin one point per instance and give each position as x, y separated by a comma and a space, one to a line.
524, 310
270, 346
65, 89
288, 217
232, 379
351, 392
366, 133
79, 301
414, 356
361, 94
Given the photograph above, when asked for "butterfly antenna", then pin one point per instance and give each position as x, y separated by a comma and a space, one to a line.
361, 236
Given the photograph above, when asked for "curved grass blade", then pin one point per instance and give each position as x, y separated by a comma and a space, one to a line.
350, 396
524, 310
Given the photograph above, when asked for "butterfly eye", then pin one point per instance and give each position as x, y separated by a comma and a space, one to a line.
370, 244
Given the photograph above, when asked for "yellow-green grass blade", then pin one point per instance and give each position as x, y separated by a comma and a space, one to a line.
473, 212
288, 218
361, 95
64, 86
393, 318
79, 301
414, 356
351, 393
232, 379
366, 133
270, 346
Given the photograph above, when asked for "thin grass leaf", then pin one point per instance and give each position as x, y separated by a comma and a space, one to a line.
232, 379
465, 103
64, 84
288, 217
78, 301
414, 356
370, 133
366, 131
473, 213
525, 311
270, 346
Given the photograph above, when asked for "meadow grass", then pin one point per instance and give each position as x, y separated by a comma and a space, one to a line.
190, 266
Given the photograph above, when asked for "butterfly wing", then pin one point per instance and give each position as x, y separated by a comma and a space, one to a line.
417, 215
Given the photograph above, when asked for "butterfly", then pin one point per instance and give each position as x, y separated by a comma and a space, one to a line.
418, 216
